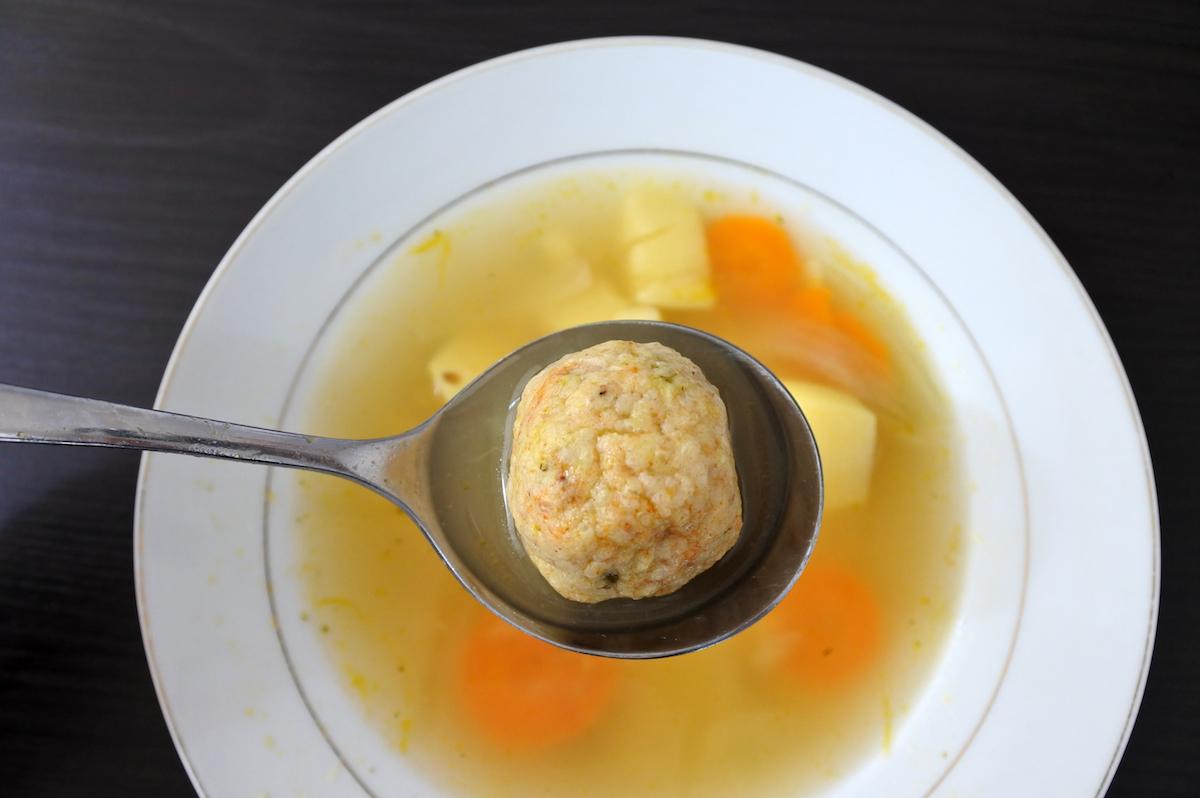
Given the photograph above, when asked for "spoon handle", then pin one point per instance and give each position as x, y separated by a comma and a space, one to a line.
31, 416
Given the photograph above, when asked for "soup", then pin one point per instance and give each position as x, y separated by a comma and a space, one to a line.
785, 708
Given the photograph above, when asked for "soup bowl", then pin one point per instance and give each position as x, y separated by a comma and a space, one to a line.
1047, 652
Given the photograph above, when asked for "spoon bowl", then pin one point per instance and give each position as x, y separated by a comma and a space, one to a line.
448, 474
778, 470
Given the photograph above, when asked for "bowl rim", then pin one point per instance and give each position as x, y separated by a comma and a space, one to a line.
686, 43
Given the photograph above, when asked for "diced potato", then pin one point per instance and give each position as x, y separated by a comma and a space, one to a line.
553, 271
469, 353
667, 260
564, 271
598, 303
845, 431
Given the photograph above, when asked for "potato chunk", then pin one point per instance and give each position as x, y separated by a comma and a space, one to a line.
469, 353
598, 303
667, 259
845, 431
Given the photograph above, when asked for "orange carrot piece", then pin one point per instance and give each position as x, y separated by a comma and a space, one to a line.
850, 324
829, 625
756, 269
753, 262
526, 694
815, 304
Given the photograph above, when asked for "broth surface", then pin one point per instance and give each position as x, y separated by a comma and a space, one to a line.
757, 715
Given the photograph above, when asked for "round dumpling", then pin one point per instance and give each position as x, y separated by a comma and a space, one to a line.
621, 480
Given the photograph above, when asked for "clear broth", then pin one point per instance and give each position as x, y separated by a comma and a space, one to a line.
725, 721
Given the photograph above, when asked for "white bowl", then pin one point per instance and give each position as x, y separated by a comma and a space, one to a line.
1045, 666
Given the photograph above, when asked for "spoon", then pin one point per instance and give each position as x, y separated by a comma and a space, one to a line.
448, 475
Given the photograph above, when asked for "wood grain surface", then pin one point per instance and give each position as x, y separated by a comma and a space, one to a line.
138, 138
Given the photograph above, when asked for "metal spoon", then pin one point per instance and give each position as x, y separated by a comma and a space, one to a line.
447, 474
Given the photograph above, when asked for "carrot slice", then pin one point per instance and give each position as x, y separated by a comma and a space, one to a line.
753, 262
854, 329
756, 270
829, 625
815, 304
526, 694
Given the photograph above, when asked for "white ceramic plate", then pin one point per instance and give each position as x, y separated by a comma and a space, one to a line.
1045, 666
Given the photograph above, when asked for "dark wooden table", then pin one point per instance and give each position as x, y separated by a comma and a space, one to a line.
138, 137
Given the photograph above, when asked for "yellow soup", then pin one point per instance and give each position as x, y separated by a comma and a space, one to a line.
782, 709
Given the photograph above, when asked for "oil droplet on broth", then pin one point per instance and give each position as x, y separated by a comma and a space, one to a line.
763, 714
